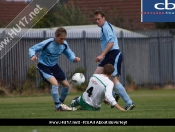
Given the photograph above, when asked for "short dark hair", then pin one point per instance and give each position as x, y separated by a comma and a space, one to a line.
60, 31
108, 69
99, 12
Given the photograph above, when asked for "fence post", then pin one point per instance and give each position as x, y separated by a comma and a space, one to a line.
2, 49
1, 73
173, 56
37, 80
44, 34
84, 48
123, 52
1, 61
159, 57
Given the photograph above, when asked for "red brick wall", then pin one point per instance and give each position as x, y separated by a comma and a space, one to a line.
9, 10
130, 10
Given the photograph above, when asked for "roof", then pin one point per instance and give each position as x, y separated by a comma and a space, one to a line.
129, 10
92, 31
19, 0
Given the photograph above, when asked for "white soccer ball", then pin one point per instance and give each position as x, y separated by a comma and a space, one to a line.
78, 79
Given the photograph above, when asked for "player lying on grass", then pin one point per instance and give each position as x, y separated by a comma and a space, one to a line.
99, 90
50, 50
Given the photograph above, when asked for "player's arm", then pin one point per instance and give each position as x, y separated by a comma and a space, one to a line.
70, 54
110, 40
110, 98
109, 35
119, 107
102, 55
37, 48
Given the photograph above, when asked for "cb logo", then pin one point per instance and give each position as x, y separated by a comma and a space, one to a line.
165, 6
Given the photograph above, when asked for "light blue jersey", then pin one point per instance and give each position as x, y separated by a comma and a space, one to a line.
49, 54
108, 35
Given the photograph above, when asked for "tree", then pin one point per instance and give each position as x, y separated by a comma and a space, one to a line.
45, 21
1, 25
62, 15
165, 25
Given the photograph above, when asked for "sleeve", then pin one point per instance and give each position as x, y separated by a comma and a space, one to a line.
109, 35
38, 47
108, 94
69, 53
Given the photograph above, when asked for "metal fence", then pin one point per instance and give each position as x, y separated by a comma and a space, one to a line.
147, 60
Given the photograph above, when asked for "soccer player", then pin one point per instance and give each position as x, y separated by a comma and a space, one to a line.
99, 89
111, 54
47, 65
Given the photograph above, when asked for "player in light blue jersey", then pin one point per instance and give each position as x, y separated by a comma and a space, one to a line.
47, 64
112, 55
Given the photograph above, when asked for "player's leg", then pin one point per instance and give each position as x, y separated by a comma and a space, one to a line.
55, 92
46, 73
123, 94
64, 90
109, 59
116, 96
99, 70
61, 78
121, 90
117, 85
75, 102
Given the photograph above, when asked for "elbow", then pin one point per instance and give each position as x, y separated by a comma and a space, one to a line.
31, 52
111, 43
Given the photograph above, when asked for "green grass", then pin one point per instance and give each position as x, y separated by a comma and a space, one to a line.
149, 104
86, 129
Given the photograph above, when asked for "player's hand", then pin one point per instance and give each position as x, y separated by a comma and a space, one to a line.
34, 58
77, 59
99, 58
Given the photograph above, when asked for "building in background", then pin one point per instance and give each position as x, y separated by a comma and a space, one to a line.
121, 13
9, 10
19, 0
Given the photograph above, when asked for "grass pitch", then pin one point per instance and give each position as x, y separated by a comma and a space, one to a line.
149, 104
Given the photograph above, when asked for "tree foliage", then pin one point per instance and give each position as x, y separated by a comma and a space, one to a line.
165, 25
1, 25
62, 15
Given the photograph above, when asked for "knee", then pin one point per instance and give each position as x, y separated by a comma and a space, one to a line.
54, 84
65, 83
53, 81
115, 81
99, 70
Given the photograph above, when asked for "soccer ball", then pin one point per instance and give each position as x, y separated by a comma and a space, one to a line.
78, 79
